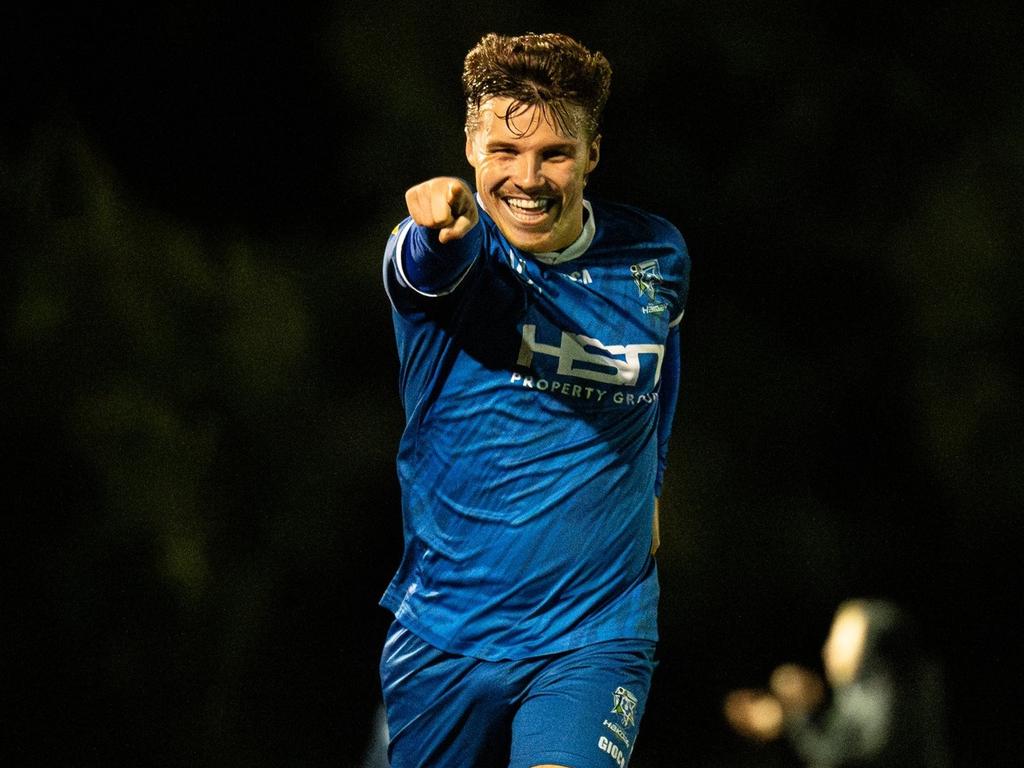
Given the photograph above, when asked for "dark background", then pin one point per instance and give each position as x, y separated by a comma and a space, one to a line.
199, 395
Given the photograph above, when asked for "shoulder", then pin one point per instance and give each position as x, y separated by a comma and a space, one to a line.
619, 221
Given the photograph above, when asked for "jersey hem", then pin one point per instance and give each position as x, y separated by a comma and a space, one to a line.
567, 643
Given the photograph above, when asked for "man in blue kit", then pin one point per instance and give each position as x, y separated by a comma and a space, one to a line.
538, 338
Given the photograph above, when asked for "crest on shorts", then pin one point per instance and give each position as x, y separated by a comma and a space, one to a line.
624, 705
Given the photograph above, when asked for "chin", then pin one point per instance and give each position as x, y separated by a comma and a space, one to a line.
541, 244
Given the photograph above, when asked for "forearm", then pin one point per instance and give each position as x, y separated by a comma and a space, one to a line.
433, 267
434, 254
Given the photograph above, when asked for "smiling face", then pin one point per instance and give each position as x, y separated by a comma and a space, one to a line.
530, 175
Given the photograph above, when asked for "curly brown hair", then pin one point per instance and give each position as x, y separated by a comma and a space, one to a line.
551, 71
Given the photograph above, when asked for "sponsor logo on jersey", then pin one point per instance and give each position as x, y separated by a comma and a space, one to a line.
607, 745
582, 391
582, 357
624, 705
618, 731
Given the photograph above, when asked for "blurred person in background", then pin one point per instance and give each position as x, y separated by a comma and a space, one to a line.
538, 341
881, 704
376, 754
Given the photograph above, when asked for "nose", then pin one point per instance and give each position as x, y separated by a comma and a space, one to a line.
528, 172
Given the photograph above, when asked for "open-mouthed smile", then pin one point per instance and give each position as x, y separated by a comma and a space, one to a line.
529, 210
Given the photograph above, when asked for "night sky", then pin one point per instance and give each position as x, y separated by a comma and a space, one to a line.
200, 383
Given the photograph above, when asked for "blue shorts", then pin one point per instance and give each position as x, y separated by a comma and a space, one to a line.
581, 708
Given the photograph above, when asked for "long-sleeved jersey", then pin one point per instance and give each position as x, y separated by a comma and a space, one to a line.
536, 410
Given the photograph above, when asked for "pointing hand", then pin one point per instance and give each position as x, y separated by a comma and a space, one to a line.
444, 203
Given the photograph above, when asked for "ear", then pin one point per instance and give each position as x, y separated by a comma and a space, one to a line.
471, 148
594, 153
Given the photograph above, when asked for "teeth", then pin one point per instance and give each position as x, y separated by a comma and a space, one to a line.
527, 205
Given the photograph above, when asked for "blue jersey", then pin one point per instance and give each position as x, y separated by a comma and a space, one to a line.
529, 459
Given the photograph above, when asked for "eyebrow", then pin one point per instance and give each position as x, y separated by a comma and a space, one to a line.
567, 147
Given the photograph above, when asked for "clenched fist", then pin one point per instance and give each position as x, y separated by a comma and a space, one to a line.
444, 203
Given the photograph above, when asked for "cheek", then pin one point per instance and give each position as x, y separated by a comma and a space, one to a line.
492, 170
571, 185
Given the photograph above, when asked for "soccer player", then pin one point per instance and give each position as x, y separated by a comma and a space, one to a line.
538, 339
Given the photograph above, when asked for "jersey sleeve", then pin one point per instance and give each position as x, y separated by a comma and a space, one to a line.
681, 276
668, 397
669, 394
417, 263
